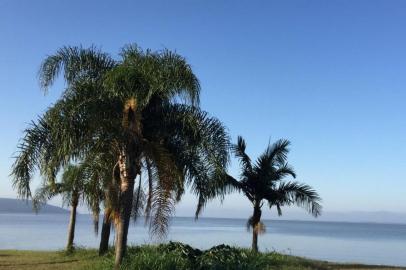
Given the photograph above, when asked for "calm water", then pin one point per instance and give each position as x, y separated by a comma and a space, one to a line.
333, 241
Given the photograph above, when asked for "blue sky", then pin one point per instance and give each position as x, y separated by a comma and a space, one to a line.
328, 75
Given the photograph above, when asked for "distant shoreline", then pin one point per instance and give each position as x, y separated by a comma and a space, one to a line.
17, 206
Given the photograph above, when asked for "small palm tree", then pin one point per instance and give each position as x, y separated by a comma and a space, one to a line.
75, 186
263, 181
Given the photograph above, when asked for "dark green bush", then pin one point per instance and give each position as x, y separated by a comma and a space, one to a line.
183, 250
222, 257
179, 256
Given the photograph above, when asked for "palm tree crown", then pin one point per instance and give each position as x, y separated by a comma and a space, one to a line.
262, 180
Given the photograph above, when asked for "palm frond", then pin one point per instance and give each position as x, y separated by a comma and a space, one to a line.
150, 181
168, 182
278, 209
74, 62
284, 170
300, 194
199, 145
163, 206
277, 152
138, 201
163, 199
239, 151
168, 74
42, 195
31, 149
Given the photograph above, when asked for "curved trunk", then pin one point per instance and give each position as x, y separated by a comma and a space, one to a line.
256, 218
105, 233
72, 223
127, 179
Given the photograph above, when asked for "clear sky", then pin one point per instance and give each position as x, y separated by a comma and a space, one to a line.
328, 75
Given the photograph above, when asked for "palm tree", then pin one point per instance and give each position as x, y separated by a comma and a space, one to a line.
142, 110
109, 194
263, 181
75, 186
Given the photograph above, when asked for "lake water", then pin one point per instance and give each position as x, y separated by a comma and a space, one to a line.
333, 241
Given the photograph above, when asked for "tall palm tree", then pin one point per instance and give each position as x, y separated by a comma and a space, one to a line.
142, 110
262, 181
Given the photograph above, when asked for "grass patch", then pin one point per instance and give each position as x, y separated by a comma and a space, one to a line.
36, 260
172, 256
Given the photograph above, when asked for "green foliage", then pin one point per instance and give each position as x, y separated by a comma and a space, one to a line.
179, 256
223, 257
184, 250
150, 258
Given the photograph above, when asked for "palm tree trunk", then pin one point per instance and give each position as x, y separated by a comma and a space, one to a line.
127, 187
127, 179
105, 233
72, 223
115, 233
254, 240
256, 218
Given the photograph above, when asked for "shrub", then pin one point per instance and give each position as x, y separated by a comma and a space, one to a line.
179, 256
